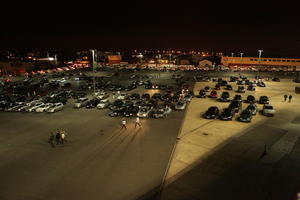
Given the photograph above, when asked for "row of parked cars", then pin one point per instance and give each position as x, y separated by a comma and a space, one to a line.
128, 105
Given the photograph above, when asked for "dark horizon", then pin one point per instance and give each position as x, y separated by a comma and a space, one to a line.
121, 26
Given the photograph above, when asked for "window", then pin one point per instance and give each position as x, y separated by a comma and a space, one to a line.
264, 59
298, 60
255, 59
270, 60
283, 60
293, 60
288, 60
278, 60
274, 60
251, 59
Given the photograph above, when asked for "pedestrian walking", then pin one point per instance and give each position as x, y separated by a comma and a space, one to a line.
290, 98
63, 136
57, 137
124, 124
285, 97
51, 140
137, 122
113, 95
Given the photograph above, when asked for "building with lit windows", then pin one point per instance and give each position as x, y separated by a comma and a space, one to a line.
262, 64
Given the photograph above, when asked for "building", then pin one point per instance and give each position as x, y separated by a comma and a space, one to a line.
114, 59
205, 63
20, 67
263, 64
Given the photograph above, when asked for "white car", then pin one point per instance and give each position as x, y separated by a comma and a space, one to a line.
44, 107
103, 104
122, 96
55, 107
268, 110
144, 112
102, 95
37, 105
81, 102
98, 92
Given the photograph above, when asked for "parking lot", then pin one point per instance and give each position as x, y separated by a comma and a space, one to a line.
98, 161
216, 159
101, 161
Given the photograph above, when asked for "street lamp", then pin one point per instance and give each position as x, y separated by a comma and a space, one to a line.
232, 55
259, 58
259, 55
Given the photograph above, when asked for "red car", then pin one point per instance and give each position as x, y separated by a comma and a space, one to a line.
214, 94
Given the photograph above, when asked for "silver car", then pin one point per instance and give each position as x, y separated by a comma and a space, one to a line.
268, 110
55, 107
144, 112
81, 102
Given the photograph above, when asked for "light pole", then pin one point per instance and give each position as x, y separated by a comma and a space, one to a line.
259, 58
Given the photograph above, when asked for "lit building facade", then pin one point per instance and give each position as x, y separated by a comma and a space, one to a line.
263, 64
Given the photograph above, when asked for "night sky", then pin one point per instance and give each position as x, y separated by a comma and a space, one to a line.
124, 25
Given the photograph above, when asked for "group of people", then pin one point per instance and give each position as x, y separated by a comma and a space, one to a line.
59, 136
288, 97
137, 123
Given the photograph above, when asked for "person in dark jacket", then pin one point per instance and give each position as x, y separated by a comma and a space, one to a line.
57, 137
285, 97
290, 98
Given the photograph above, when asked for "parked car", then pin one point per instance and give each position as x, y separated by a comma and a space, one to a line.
251, 88
145, 97
276, 79
241, 89
212, 113
225, 97
122, 96
253, 108
237, 97
116, 113
103, 104
130, 112
33, 108
180, 105
144, 112
213, 94
261, 84
263, 100
206, 88
245, 116
217, 87
156, 96
227, 114
102, 95
297, 90
228, 87
15, 107
187, 98
250, 99
81, 102
161, 112
44, 107
202, 94
55, 107
134, 96
268, 110
92, 103
235, 105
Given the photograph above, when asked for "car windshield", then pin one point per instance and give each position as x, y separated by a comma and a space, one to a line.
144, 110
246, 112
180, 103
269, 107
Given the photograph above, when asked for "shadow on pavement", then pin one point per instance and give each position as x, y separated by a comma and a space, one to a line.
236, 171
